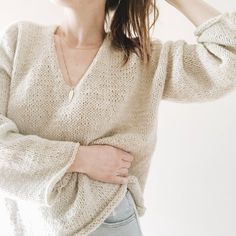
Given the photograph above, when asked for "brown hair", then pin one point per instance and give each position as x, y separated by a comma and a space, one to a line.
131, 15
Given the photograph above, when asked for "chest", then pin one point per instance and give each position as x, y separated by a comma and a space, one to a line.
73, 63
109, 100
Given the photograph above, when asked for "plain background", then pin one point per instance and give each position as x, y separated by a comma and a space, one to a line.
191, 187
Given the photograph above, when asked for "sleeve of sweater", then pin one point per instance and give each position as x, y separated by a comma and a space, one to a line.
31, 167
205, 70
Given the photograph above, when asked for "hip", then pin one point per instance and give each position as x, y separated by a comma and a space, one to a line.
123, 220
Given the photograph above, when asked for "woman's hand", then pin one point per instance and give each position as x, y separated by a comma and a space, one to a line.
104, 163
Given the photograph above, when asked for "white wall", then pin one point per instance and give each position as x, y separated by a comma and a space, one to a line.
191, 185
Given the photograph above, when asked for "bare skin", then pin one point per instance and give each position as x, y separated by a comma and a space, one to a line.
103, 162
82, 31
197, 11
83, 26
83, 22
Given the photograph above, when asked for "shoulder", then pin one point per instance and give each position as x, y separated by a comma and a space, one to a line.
169, 46
14, 27
8, 38
21, 28
156, 42
24, 34
23, 23
9, 31
23, 38
156, 48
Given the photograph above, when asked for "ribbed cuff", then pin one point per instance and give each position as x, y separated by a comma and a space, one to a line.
198, 31
51, 195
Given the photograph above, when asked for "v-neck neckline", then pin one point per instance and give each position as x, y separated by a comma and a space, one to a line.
89, 69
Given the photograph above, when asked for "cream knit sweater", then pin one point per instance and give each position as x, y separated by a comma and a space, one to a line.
41, 131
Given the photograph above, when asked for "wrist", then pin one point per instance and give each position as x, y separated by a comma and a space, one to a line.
80, 161
79, 164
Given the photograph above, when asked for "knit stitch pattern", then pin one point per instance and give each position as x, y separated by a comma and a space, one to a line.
41, 130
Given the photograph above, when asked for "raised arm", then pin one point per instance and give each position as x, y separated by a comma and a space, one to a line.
30, 166
206, 70
197, 11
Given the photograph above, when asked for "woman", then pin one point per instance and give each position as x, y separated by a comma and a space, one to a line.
78, 109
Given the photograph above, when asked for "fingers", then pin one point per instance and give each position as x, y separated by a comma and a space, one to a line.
126, 160
127, 157
121, 176
123, 172
120, 180
125, 164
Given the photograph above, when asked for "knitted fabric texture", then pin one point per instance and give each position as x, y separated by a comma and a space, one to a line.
41, 131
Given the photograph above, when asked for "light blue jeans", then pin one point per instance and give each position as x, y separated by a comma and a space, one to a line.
123, 221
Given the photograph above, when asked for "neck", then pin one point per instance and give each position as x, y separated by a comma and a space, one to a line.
83, 27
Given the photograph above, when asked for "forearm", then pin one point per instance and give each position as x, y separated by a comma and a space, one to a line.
197, 11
